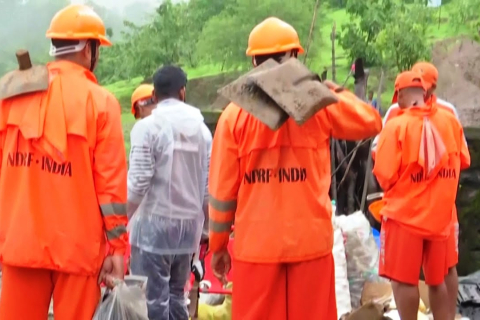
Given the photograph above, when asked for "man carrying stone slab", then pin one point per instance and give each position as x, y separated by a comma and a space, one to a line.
274, 182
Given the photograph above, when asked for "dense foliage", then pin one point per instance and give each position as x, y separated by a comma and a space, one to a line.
198, 32
390, 34
387, 33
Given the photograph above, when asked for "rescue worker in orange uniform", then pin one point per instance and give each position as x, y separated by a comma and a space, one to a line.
418, 160
63, 182
143, 101
430, 76
275, 185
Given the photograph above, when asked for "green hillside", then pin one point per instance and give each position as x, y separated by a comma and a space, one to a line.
442, 29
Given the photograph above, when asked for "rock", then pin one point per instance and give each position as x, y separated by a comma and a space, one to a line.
253, 100
295, 89
458, 63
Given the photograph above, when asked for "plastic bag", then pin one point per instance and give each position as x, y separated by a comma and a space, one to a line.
342, 290
469, 295
361, 251
123, 302
211, 299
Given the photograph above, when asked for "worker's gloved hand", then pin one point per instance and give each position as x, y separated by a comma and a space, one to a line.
221, 265
112, 270
198, 269
198, 261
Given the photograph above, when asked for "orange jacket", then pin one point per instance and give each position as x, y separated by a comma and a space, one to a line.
394, 111
62, 175
422, 204
275, 184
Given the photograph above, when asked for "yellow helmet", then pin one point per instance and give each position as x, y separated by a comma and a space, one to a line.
144, 91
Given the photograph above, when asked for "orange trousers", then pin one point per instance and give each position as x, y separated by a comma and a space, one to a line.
26, 295
287, 291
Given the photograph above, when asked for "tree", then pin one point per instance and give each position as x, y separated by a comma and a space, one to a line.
225, 36
144, 48
198, 31
385, 33
337, 3
400, 45
465, 15
367, 20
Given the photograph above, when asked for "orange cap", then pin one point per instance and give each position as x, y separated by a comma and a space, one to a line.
78, 22
273, 35
144, 91
408, 79
428, 71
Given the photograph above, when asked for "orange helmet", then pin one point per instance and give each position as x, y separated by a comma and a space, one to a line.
428, 71
144, 91
273, 35
78, 22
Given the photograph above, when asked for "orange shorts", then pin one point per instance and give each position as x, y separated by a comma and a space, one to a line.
403, 253
452, 250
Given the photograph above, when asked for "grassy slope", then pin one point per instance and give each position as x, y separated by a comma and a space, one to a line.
443, 30
123, 90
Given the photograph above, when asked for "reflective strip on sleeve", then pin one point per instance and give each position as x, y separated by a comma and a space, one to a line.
114, 209
116, 232
223, 206
219, 227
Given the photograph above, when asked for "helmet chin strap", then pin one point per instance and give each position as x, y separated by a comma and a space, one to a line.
55, 52
94, 58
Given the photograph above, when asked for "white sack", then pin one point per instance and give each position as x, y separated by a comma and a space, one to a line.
342, 290
361, 252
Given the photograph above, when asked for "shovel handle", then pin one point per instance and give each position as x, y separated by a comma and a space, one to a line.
23, 58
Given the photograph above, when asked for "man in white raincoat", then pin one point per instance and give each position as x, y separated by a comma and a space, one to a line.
167, 194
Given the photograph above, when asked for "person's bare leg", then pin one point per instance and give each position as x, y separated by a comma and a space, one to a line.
407, 299
439, 302
451, 281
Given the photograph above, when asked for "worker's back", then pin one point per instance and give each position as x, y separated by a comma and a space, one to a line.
63, 163
284, 180
418, 197
168, 165
395, 110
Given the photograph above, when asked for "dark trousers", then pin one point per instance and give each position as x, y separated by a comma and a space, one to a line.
167, 276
